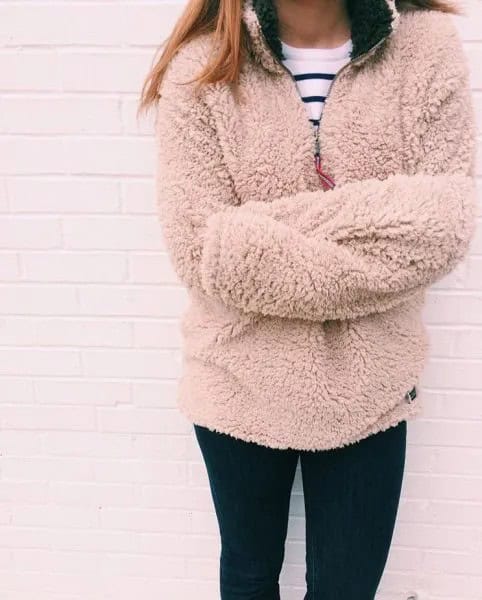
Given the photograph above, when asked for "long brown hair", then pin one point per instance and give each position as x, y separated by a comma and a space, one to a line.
223, 18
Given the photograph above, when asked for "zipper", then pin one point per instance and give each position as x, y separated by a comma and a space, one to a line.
326, 181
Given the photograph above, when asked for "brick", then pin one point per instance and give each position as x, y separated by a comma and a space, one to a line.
78, 155
47, 418
130, 363
157, 394
4, 203
453, 404
38, 361
81, 23
142, 301
132, 122
157, 334
89, 267
9, 267
15, 391
28, 70
36, 468
125, 419
95, 444
138, 196
114, 233
37, 299
151, 268
474, 56
64, 194
454, 374
456, 308
29, 232
39, 331
65, 114
473, 279
109, 71
81, 392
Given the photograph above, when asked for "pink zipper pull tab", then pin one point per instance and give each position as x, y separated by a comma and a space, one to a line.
326, 181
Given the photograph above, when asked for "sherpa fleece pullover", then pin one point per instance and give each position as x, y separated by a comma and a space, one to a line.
304, 326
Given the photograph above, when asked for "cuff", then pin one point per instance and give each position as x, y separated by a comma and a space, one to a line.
233, 248
213, 242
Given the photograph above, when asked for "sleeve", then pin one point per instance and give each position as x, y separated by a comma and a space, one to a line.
192, 182
364, 246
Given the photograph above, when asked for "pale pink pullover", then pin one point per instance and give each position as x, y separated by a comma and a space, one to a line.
304, 324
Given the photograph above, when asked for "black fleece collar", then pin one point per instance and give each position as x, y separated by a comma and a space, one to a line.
371, 21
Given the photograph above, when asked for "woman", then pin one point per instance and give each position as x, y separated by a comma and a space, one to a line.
307, 258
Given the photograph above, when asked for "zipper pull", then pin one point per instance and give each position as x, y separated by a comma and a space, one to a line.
326, 181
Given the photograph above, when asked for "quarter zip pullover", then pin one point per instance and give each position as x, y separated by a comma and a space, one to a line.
303, 327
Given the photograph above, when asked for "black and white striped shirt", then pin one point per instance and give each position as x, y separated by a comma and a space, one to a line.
314, 69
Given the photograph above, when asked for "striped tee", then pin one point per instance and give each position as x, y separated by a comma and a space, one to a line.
314, 69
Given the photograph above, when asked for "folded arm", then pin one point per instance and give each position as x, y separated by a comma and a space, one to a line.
362, 247
365, 246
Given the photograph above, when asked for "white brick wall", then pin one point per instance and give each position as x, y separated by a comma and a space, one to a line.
103, 493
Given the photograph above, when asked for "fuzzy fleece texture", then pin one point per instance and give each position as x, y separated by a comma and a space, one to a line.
304, 325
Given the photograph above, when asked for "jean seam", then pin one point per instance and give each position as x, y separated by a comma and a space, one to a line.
311, 543
313, 564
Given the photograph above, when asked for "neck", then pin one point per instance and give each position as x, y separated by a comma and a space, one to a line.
371, 21
313, 23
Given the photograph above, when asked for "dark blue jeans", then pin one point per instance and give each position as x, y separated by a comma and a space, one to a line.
351, 497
